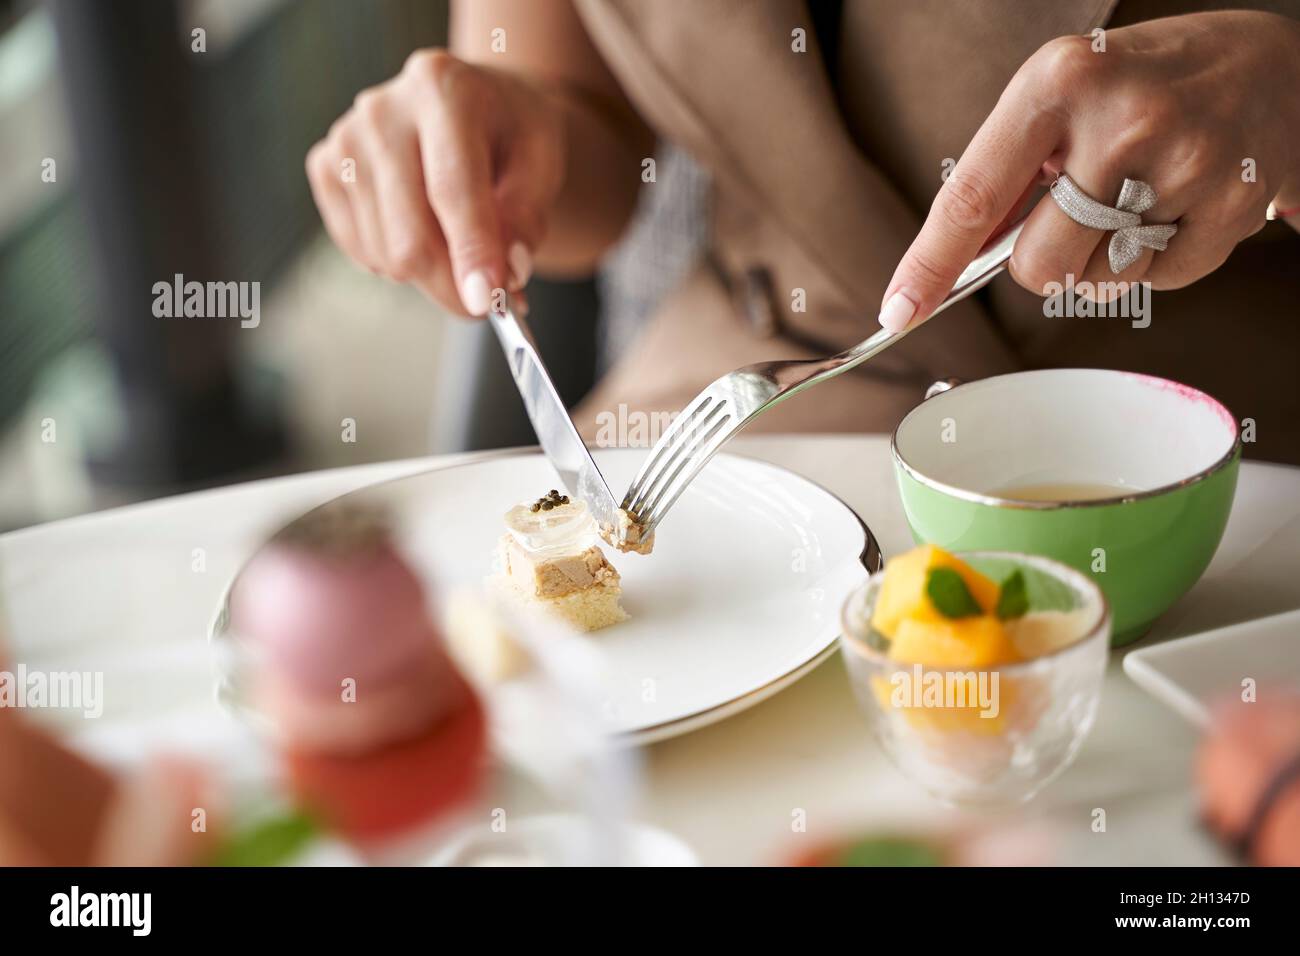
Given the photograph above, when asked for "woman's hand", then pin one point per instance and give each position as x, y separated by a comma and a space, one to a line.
58, 809
443, 177
1188, 104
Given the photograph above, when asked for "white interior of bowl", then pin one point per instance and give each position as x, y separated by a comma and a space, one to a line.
1067, 426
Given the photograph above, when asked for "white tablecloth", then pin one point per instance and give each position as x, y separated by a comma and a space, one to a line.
131, 592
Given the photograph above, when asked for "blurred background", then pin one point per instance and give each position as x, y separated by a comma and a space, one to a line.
128, 155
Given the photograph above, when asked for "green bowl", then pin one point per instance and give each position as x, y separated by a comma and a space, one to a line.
1002, 464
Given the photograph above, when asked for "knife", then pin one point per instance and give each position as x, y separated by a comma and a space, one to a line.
555, 430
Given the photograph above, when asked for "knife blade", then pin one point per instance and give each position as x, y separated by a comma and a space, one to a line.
559, 438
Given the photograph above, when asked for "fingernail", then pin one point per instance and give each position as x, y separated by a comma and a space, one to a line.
476, 293
898, 311
521, 265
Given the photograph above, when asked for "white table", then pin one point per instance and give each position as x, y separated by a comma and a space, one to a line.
123, 591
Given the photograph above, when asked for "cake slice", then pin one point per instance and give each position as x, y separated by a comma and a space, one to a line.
549, 560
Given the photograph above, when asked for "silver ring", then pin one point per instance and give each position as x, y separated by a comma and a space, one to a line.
1124, 218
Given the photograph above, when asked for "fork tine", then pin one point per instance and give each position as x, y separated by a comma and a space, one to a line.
687, 468
681, 444
663, 453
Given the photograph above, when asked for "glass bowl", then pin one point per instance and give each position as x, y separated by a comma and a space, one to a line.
996, 734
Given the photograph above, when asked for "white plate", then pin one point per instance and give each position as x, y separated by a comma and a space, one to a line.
740, 597
560, 837
1191, 674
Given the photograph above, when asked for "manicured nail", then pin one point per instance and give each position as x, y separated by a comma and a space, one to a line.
521, 265
476, 293
898, 311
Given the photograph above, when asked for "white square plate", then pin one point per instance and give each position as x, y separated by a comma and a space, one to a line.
1192, 673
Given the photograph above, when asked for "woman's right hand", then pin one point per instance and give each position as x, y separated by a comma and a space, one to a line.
443, 177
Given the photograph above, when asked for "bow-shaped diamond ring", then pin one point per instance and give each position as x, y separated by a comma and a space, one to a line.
1130, 235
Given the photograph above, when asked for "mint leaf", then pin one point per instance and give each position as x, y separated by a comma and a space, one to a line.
890, 851
1013, 599
949, 594
269, 842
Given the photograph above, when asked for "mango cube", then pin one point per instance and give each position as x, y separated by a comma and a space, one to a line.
903, 596
963, 642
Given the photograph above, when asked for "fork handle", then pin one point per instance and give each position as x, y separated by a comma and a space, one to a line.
990, 262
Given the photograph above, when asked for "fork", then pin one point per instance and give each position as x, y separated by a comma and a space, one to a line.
733, 401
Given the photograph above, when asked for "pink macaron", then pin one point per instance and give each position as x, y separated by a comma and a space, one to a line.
358, 718
341, 651
323, 609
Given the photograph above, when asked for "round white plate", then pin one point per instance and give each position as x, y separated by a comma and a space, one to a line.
740, 597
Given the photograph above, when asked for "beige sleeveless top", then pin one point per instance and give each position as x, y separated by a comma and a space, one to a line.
817, 192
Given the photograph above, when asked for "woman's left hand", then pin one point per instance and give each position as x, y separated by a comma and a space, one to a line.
1205, 108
